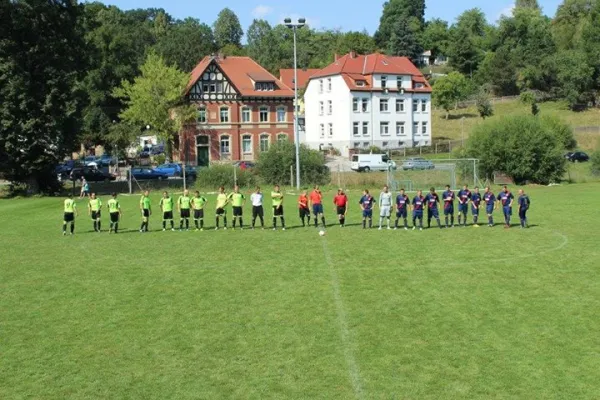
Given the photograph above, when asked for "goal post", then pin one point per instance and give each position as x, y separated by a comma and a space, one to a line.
435, 173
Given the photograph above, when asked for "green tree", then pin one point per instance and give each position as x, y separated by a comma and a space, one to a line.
463, 53
436, 37
227, 29
40, 64
484, 105
526, 148
571, 18
186, 43
449, 90
595, 162
498, 70
359, 42
412, 11
155, 98
403, 42
574, 77
527, 4
261, 44
530, 99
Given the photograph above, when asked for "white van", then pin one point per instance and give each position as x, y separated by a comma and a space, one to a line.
371, 162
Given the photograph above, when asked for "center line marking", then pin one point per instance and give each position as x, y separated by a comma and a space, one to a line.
343, 324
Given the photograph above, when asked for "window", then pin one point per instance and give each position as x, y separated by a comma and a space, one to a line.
384, 128
356, 144
383, 82
322, 130
356, 129
365, 144
213, 88
247, 144
320, 85
281, 114
360, 83
415, 105
399, 82
384, 144
330, 129
202, 115
225, 145
424, 128
329, 84
399, 128
365, 105
419, 86
329, 107
355, 104
282, 138
415, 128
245, 114
224, 114
321, 108
383, 105
365, 130
262, 86
423, 105
205, 88
399, 105
263, 113
264, 142
202, 140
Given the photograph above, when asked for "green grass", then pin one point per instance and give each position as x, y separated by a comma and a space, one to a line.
464, 313
452, 128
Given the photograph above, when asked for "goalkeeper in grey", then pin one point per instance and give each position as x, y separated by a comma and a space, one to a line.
385, 206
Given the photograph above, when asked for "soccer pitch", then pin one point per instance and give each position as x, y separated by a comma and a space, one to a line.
457, 313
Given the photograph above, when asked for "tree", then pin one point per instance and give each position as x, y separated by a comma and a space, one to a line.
186, 43
436, 37
227, 29
40, 64
448, 90
359, 42
571, 19
526, 148
155, 98
261, 44
412, 11
403, 42
529, 99
527, 4
499, 71
595, 162
574, 77
463, 53
484, 105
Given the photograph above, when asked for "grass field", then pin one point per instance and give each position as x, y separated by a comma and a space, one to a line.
462, 313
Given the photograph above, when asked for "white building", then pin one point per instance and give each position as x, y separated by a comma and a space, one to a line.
368, 100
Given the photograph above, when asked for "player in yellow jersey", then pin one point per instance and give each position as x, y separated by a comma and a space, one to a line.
277, 198
184, 204
222, 201
238, 200
166, 205
146, 210
70, 209
94, 210
114, 209
198, 203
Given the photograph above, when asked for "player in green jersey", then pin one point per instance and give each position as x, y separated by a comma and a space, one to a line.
184, 203
277, 198
222, 201
114, 209
198, 203
94, 210
238, 200
70, 209
166, 205
146, 210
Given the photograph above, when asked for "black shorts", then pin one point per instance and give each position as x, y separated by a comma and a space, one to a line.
168, 215
237, 211
257, 211
114, 217
96, 215
278, 211
184, 213
198, 214
69, 217
341, 210
304, 212
220, 211
146, 212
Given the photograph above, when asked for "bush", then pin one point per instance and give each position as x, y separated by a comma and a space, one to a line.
222, 175
595, 159
526, 148
274, 165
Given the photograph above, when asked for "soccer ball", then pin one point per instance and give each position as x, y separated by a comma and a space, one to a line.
321, 233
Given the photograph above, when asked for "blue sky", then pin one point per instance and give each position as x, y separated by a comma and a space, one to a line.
343, 14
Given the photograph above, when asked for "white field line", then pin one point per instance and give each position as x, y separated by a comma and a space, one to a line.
345, 334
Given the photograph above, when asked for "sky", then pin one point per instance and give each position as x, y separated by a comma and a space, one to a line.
322, 14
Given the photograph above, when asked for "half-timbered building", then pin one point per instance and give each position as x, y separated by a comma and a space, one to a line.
242, 110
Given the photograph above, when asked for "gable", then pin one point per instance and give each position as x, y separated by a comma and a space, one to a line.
213, 85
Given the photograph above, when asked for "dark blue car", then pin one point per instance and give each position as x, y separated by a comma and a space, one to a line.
148, 173
174, 169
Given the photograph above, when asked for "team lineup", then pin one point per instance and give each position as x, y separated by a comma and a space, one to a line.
311, 206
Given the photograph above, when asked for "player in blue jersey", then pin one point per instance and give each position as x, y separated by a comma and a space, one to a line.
418, 204
432, 199
366, 205
475, 203
464, 196
448, 197
402, 204
490, 205
506, 198
524, 203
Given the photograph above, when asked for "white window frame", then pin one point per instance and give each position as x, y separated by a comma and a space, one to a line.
400, 128
399, 82
329, 85
424, 106
364, 106
221, 119
356, 128
246, 110
383, 81
202, 114
221, 152
329, 107
424, 128
384, 128
321, 108
415, 105
322, 130
400, 105
355, 105
415, 128
261, 109
384, 105
249, 137
279, 109
320, 85
365, 128
330, 129
261, 138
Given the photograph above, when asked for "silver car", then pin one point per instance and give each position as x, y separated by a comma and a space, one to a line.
417, 163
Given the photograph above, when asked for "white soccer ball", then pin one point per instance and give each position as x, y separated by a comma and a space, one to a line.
321, 233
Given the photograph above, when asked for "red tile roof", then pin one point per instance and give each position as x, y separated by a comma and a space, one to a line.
287, 76
362, 67
239, 71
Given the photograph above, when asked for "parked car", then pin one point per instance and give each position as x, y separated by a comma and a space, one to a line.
91, 174
63, 170
174, 169
371, 162
578, 156
244, 164
148, 173
105, 160
417, 163
90, 161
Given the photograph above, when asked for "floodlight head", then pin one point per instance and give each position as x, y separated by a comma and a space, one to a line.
287, 21
301, 21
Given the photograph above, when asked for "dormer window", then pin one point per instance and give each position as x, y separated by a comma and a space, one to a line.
264, 86
383, 82
419, 86
360, 83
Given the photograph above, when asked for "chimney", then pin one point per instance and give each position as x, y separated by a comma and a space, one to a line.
352, 54
335, 57
221, 56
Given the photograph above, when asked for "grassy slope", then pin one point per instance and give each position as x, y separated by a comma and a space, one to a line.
473, 313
